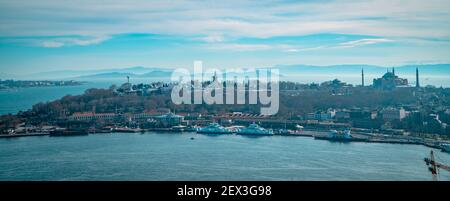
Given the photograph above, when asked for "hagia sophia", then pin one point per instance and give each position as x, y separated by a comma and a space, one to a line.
389, 80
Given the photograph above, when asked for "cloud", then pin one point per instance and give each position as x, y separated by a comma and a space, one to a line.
239, 47
292, 50
66, 41
306, 49
51, 44
362, 42
348, 44
213, 20
213, 38
295, 48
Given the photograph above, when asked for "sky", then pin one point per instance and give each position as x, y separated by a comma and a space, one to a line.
50, 35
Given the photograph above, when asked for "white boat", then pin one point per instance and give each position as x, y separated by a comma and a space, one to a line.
446, 147
214, 128
340, 135
254, 129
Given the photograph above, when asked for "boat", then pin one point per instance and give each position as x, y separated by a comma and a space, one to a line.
234, 129
127, 130
446, 148
298, 130
283, 132
214, 128
334, 135
254, 129
191, 129
178, 128
68, 132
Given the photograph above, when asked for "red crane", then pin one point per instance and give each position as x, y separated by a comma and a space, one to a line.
434, 166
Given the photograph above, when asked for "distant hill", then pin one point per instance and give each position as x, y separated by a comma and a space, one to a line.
104, 73
157, 73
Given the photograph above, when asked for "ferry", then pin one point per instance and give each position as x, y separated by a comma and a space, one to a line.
214, 128
254, 129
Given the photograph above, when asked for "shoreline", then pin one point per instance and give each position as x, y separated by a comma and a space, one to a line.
317, 135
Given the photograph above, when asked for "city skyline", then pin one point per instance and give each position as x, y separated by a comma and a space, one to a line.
53, 35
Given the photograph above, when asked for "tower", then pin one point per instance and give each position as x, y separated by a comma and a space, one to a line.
214, 78
393, 70
128, 79
362, 77
417, 77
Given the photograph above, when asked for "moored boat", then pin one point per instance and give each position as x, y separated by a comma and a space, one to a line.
214, 128
254, 129
334, 135
178, 128
446, 148
127, 130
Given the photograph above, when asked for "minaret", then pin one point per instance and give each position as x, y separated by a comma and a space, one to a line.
362, 77
214, 78
128, 79
417, 77
393, 70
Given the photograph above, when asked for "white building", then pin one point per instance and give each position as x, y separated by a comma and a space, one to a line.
390, 114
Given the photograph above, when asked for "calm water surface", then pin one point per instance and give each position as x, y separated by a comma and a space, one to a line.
156, 156
153, 156
15, 100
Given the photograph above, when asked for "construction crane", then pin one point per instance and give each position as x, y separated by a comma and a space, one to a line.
434, 166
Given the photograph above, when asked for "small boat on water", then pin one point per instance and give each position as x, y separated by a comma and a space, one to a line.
446, 148
334, 135
254, 129
298, 130
191, 128
179, 128
127, 130
68, 132
283, 132
214, 128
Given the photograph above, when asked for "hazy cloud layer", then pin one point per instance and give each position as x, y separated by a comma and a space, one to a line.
215, 20
57, 34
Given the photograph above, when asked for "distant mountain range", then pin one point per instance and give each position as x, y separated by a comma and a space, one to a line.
114, 75
430, 69
106, 73
285, 70
88, 74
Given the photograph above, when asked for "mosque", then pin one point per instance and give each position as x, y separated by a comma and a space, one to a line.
389, 80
